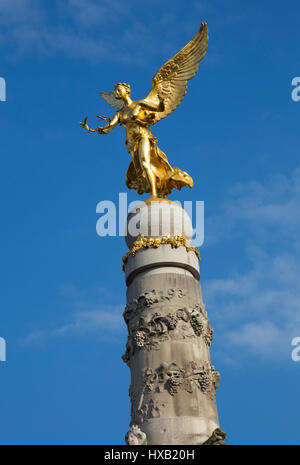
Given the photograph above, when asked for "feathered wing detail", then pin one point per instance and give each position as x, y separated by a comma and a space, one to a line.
111, 99
169, 84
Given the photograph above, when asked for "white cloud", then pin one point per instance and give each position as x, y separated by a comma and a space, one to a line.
259, 310
256, 311
101, 322
269, 211
73, 28
85, 317
81, 29
90, 13
20, 12
109, 319
89, 29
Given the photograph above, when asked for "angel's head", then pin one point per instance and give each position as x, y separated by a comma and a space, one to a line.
121, 90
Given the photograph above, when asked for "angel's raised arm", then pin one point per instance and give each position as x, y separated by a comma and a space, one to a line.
111, 125
103, 130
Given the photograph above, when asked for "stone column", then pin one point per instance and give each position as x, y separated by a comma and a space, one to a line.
169, 336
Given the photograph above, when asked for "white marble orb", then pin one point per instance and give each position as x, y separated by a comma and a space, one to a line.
158, 219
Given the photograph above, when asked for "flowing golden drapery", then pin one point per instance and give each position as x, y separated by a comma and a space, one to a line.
167, 177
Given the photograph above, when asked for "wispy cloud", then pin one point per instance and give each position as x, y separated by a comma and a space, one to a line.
108, 321
20, 12
87, 29
29, 26
259, 310
86, 316
269, 211
256, 311
91, 13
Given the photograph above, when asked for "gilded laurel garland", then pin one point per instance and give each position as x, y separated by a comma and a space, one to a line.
144, 242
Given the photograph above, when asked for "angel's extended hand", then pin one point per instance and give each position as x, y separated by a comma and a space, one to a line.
85, 126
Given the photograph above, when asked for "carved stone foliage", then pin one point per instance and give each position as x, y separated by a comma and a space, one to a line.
149, 299
184, 323
149, 409
188, 378
144, 408
216, 439
172, 378
135, 437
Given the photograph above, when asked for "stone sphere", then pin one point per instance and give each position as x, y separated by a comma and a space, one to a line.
158, 219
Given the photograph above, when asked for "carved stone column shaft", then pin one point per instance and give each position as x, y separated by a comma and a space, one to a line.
168, 350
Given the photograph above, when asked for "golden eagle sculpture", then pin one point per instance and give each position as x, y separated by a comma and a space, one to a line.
149, 170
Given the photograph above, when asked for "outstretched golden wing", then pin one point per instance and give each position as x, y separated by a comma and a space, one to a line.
111, 99
169, 85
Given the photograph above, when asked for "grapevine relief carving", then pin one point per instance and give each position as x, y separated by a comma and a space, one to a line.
173, 379
150, 298
148, 333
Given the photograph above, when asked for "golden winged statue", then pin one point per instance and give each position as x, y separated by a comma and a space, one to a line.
149, 171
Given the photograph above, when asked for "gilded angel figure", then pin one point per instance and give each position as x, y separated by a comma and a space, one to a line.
149, 170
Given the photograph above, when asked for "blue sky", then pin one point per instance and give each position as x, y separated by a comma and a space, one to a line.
63, 291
